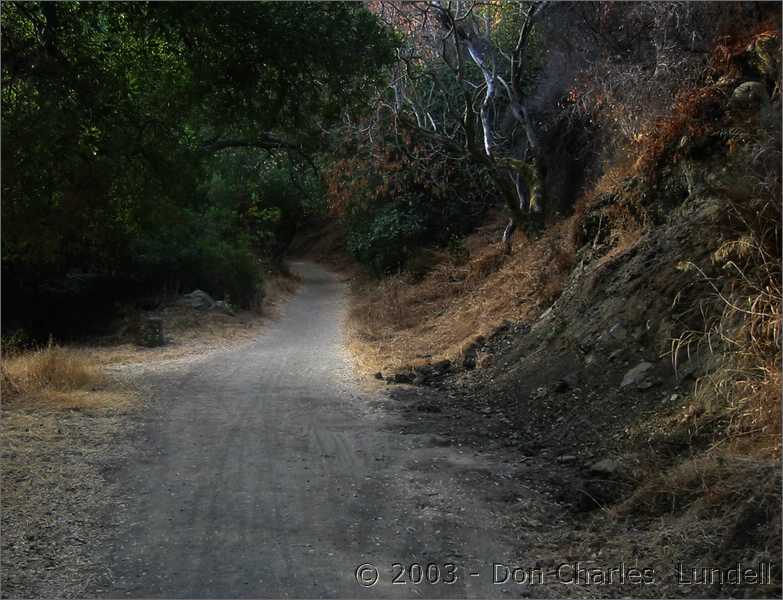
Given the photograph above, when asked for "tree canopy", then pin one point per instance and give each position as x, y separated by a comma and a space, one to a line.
117, 119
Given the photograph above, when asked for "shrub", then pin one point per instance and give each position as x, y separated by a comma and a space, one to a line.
230, 270
384, 239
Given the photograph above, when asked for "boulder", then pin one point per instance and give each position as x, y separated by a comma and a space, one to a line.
618, 333
150, 332
197, 299
636, 375
608, 467
751, 95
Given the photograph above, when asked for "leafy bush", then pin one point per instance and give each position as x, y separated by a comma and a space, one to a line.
206, 250
385, 238
16, 342
147, 121
395, 202
230, 270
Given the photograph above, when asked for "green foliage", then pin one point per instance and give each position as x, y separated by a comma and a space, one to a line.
109, 116
458, 251
395, 202
16, 342
384, 239
230, 269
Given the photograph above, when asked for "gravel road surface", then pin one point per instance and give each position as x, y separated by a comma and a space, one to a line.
272, 470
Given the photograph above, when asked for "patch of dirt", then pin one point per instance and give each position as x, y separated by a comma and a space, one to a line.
59, 448
53, 463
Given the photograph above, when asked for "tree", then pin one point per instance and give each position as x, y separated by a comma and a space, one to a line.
461, 80
112, 113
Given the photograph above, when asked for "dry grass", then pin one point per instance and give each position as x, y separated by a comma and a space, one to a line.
60, 377
705, 486
67, 416
716, 509
397, 322
55, 448
742, 326
62, 418
713, 470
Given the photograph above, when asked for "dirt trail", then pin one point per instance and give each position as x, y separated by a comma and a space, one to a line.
268, 470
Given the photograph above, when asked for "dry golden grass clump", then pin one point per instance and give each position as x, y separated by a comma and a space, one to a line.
52, 367
62, 377
398, 322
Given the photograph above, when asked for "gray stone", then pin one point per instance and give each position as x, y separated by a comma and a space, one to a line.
607, 466
566, 458
751, 95
618, 333
636, 375
197, 299
647, 384
224, 307
540, 393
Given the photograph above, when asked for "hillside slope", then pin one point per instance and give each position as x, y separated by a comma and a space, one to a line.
652, 381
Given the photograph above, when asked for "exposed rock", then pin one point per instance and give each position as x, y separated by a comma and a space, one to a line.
540, 393
646, 384
150, 332
566, 459
197, 299
618, 333
751, 95
636, 375
608, 466
590, 359
403, 377
572, 380
224, 307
